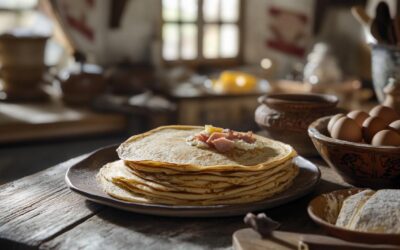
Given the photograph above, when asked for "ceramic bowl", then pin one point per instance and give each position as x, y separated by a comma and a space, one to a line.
324, 210
286, 117
82, 86
359, 164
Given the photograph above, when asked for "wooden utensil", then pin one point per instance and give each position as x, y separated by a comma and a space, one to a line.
396, 27
375, 32
361, 16
248, 239
369, 24
382, 24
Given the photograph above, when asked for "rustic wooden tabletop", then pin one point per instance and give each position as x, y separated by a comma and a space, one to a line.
39, 211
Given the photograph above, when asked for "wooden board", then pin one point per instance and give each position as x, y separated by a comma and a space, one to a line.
248, 239
39, 211
19, 122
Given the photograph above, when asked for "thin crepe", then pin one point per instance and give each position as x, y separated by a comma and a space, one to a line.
122, 191
117, 174
166, 147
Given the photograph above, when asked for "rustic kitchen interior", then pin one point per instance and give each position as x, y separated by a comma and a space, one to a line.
200, 124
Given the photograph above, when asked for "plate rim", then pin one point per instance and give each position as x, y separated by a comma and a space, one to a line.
195, 211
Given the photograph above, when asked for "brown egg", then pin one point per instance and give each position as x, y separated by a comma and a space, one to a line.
346, 129
333, 120
385, 113
371, 126
386, 138
395, 126
358, 116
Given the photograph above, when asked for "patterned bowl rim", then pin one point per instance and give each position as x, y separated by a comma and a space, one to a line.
304, 101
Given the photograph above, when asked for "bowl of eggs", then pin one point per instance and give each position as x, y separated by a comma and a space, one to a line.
363, 148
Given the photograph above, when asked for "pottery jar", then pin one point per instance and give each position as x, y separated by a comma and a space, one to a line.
286, 117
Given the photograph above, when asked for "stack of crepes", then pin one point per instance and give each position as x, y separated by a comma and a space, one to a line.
169, 165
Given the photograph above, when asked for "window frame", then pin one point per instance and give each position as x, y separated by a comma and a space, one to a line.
17, 10
199, 22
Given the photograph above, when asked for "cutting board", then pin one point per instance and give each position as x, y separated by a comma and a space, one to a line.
248, 239
28, 121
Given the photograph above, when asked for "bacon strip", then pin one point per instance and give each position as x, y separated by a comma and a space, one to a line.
247, 137
202, 137
216, 135
223, 145
224, 141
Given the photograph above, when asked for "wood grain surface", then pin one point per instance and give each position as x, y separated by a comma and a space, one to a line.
39, 211
38, 207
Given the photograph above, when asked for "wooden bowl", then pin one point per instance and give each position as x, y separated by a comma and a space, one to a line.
324, 210
286, 117
359, 164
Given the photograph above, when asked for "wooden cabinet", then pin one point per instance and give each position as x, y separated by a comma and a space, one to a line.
230, 111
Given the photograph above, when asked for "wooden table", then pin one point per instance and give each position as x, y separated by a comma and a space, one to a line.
39, 211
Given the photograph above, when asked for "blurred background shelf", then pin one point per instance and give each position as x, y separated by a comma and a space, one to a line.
27, 122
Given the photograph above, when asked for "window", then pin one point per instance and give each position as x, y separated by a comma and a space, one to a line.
201, 31
15, 13
17, 4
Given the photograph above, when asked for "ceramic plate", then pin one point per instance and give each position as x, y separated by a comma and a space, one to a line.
81, 178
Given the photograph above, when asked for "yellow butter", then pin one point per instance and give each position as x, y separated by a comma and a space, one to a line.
209, 129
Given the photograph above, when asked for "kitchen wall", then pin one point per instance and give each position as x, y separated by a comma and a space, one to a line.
138, 32
87, 23
280, 30
270, 22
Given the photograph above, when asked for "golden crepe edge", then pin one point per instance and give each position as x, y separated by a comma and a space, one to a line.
122, 191
112, 172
